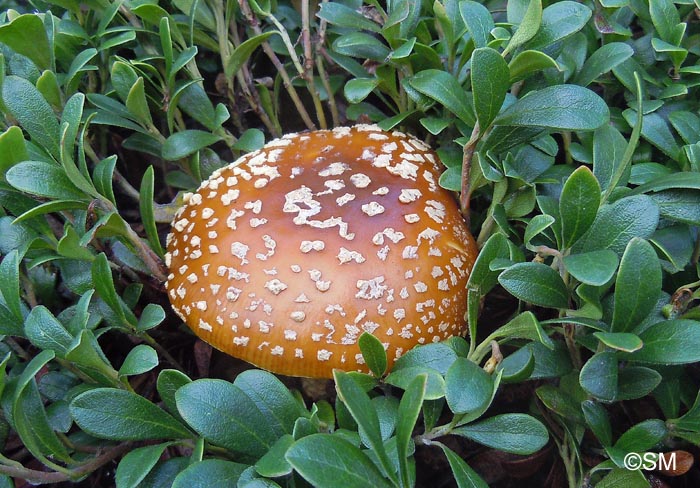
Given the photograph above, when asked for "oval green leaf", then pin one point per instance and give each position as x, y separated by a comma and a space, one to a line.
564, 107
515, 433
109, 413
535, 283
637, 286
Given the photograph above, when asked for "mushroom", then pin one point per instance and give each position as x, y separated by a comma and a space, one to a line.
286, 256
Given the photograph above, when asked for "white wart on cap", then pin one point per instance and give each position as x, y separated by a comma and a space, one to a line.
285, 257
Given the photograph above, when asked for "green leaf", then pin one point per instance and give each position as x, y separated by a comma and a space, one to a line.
136, 465
436, 356
273, 464
643, 436
357, 89
102, 177
599, 376
468, 388
242, 53
151, 316
325, 460
10, 284
578, 204
564, 107
28, 106
409, 410
529, 62
182, 144
446, 90
272, 398
535, 283
608, 150
26, 35
529, 25
13, 148
635, 382
665, 18
361, 45
250, 140
47, 333
146, 204
344, 16
365, 414
655, 130
104, 285
110, 413
478, 20
169, 381
624, 477
137, 103
618, 223
140, 359
515, 433
676, 180
210, 473
597, 419
464, 475
601, 61
561, 401
621, 341
594, 268
637, 285
559, 21
30, 418
402, 378
373, 353
43, 179
89, 358
224, 415
490, 83
670, 342
679, 205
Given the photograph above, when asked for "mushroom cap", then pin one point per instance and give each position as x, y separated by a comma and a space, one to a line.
286, 256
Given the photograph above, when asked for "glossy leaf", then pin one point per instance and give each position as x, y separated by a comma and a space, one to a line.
535, 283
670, 342
221, 413
136, 465
210, 473
468, 387
490, 76
565, 107
515, 433
44, 180
464, 475
637, 285
601, 61
325, 460
140, 359
559, 20
373, 353
26, 35
445, 89
599, 376
617, 224
594, 268
478, 20
184, 143
578, 204
114, 414
407, 416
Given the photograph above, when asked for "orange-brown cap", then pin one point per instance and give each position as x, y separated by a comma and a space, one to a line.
286, 256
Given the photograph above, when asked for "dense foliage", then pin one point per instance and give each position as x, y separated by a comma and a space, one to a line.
570, 130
